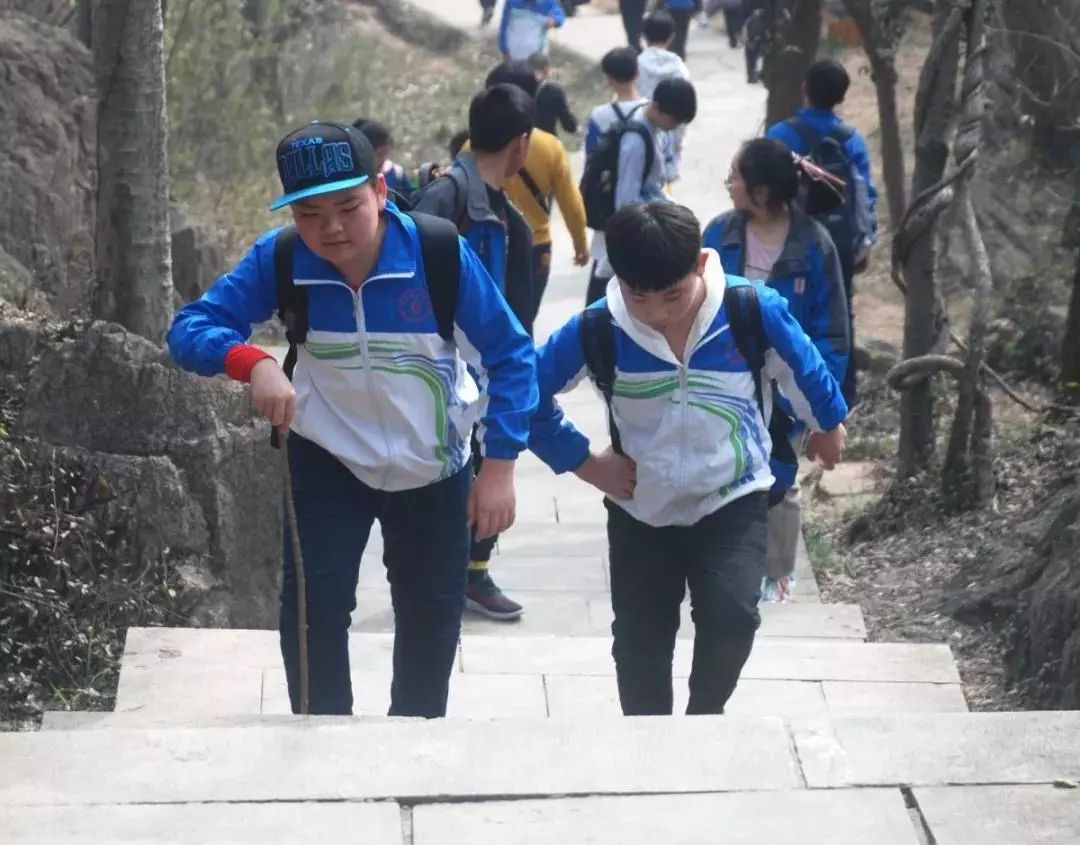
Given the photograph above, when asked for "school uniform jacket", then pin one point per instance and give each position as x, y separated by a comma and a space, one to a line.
694, 429
375, 383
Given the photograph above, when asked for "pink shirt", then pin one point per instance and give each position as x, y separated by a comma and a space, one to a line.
760, 257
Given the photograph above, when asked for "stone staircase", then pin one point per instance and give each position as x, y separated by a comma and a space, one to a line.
829, 739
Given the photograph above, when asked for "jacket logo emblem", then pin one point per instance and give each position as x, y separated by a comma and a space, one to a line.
414, 305
800, 284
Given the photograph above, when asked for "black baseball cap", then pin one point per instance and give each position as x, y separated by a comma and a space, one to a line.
322, 158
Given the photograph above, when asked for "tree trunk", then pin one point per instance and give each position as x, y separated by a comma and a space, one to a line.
792, 49
133, 241
879, 39
915, 248
1070, 351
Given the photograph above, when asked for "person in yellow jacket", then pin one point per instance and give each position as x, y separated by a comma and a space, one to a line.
545, 177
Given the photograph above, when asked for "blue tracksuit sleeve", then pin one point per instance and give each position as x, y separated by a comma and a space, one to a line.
555, 12
501, 354
797, 366
203, 331
560, 366
827, 308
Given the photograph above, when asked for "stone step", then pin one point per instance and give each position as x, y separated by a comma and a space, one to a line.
192, 673
558, 556
199, 824
995, 815
848, 817
928, 750
420, 762
510, 696
576, 613
402, 759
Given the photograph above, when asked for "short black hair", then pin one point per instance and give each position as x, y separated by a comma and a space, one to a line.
827, 83
658, 27
767, 163
457, 141
513, 73
620, 64
539, 61
499, 115
653, 246
676, 98
376, 133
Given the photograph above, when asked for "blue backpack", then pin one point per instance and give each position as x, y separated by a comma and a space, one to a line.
845, 215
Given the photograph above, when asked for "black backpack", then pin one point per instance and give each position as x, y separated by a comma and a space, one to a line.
844, 213
598, 343
601, 176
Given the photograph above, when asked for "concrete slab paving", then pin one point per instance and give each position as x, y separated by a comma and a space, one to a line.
850, 817
772, 659
396, 759
595, 696
940, 749
199, 824
471, 696
872, 699
1001, 815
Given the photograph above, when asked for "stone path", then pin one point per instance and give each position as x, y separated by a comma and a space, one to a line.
829, 738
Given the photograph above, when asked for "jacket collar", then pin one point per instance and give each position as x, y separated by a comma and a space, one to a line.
397, 254
477, 205
795, 256
653, 341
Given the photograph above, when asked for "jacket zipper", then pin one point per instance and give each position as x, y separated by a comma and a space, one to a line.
369, 374
684, 401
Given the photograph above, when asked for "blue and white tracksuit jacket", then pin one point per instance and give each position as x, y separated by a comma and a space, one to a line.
808, 276
523, 31
375, 383
694, 429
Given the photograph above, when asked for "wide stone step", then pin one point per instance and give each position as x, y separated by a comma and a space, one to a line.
550, 555
415, 759
740, 818
193, 673
973, 748
202, 824
559, 611
974, 779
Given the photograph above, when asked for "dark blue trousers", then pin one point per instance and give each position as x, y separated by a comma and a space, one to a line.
426, 553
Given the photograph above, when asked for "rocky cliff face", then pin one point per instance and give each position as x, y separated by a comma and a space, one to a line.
48, 167
181, 466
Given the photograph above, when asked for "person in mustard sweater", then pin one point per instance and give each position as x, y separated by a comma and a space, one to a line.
546, 176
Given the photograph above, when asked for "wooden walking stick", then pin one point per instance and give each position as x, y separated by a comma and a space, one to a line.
298, 567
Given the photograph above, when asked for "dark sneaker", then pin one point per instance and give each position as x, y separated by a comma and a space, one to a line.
483, 596
487, 15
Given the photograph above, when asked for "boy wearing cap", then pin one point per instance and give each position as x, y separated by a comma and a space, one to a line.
380, 409
471, 194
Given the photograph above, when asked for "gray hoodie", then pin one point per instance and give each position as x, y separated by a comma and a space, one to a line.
656, 63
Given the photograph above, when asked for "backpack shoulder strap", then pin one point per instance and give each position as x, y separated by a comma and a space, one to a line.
809, 135
842, 132
291, 300
538, 195
748, 332
598, 344
619, 112
441, 254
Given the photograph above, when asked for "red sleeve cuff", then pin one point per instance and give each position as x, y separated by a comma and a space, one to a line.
240, 360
